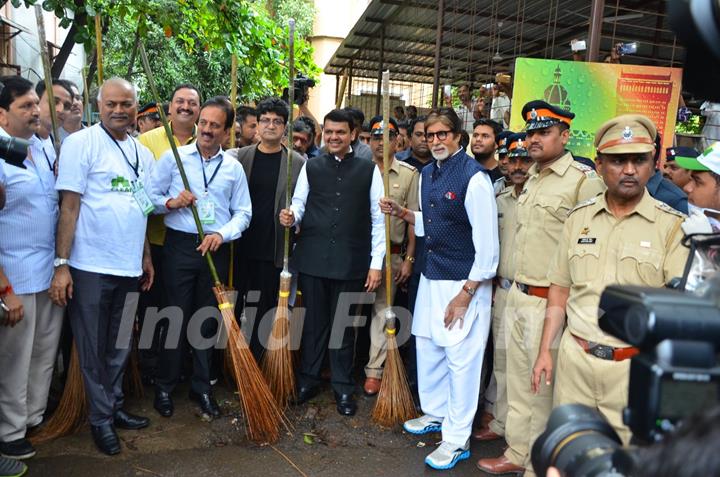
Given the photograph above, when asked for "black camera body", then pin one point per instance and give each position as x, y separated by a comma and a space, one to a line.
14, 150
302, 84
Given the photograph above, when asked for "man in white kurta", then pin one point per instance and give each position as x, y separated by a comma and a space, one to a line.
458, 219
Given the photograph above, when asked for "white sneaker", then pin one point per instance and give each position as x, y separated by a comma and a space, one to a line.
423, 425
447, 455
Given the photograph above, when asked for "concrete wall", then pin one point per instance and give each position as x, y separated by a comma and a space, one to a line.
26, 48
333, 21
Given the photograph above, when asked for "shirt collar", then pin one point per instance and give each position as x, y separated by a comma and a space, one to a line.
559, 167
219, 154
646, 206
339, 159
190, 140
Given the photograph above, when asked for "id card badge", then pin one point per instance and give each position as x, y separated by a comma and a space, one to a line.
206, 209
142, 198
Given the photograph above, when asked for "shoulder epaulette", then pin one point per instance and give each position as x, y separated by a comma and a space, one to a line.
408, 166
584, 203
666, 208
505, 191
585, 169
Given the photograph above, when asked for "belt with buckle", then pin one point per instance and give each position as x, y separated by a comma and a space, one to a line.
503, 283
606, 352
540, 292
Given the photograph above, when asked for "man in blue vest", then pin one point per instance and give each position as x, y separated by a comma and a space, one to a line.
458, 219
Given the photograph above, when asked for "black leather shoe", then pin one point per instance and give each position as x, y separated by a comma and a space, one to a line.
163, 404
207, 403
346, 404
304, 394
106, 439
125, 420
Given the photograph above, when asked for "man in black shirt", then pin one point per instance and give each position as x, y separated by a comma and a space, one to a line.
260, 249
484, 144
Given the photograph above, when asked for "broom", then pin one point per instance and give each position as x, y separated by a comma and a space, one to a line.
72, 409
394, 403
277, 363
263, 416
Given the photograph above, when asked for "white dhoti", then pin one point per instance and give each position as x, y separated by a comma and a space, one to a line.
449, 362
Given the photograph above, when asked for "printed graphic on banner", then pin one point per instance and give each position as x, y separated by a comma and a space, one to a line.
596, 92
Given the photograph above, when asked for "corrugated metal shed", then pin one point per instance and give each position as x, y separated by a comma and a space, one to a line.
483, 37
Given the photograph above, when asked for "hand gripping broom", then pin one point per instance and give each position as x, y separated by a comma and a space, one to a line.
394, 403
263, 416
277, 363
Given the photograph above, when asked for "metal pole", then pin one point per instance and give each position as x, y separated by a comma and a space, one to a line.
349, 90
438, 45
337, 87
595, 33
378, 98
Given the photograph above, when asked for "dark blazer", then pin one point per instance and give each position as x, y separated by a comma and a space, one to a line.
246, 157
665, 191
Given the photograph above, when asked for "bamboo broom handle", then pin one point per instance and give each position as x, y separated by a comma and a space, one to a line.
47, 76
173, 146
291, 99
386, 182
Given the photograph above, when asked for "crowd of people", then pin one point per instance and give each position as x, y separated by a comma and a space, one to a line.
503, 245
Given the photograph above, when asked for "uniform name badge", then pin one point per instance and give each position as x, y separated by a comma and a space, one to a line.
206, 209
142, 198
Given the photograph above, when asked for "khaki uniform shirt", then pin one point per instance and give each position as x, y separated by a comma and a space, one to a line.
156, 140
404, 180
596, 250
543, 207
507, 222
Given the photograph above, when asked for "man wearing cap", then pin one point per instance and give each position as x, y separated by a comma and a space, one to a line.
518, 165
703, 190
148, 118
483, 146
452, 314
502, 151
672, 170
557, 183
624, 237
404, 190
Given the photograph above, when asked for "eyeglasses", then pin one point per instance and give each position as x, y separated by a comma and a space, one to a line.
275, 122
441, 135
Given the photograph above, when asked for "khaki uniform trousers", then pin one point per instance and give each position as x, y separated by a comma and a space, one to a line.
582, 378
378, 339
527, 412
500, 332
27, 359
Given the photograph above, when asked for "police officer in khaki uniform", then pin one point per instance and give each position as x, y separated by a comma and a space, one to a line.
518, 164
557, 183
622, 237
404, 190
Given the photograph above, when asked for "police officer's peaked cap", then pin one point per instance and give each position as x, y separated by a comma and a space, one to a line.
540, 115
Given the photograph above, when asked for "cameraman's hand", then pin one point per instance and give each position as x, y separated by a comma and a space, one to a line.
697, 223
543, 365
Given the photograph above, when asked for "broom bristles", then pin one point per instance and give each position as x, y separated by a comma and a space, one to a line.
394, 403
277, 363
263, 416
72, 410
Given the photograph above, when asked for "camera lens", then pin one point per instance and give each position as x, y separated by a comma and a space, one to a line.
578, 441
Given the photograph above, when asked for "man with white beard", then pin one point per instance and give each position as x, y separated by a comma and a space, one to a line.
458, 219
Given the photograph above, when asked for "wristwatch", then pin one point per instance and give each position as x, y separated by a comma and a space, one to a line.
59, 262
410, 259
468, 290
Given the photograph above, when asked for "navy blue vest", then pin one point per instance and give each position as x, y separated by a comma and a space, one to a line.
449, 248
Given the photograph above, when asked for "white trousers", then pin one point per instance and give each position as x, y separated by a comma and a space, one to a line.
449, 380
27, 358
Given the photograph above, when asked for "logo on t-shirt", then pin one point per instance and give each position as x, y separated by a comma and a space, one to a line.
120, 184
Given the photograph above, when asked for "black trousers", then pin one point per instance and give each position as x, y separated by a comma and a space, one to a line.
188, 285
321, 297
259, 287
155, 297
96, 314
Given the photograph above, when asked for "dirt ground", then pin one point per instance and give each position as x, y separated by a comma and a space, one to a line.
322, 443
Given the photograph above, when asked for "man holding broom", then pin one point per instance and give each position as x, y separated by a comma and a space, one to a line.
340, 250
404, 189
219, 190
458, 219
101, 252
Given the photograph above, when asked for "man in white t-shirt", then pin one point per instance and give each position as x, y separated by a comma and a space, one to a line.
101, 252
500, 110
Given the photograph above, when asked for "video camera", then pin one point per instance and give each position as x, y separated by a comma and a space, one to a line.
302, 84
675, 375
14, 150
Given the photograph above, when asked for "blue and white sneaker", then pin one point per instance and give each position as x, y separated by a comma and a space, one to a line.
423, 425
447, 455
